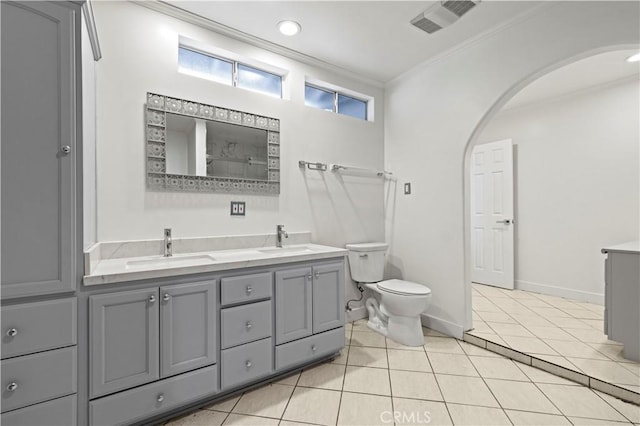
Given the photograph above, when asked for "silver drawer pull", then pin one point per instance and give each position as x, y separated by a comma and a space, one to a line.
12, 332
364, 255
309, 277
248, 364
166, 297
12, 386
249, 289
160, 398
65, 149
313, 348
152, 299
317, 275
249, 325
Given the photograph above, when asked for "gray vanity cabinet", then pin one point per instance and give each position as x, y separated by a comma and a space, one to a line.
142, 335
188, 327
328, 297
293, 304
309, 313
124, 340
309, 301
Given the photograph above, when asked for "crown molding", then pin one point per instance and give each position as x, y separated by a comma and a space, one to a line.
211, 25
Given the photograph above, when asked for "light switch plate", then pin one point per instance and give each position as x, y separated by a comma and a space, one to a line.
407, 188
237, 208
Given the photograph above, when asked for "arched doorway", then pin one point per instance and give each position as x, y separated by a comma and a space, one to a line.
516, 327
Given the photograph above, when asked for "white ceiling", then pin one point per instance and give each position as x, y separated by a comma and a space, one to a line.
590, 72
373, 39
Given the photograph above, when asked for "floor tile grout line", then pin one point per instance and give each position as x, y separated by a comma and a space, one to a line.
386, 351
344, 378
435, 378
611, 405
490, 390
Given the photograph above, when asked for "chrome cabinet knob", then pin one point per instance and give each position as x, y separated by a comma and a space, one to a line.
309, 277
12, 332
65, 149
166, 297
152, 298
313, 348
317, 274
160, 398
249, 289
248, 364
249, 325
11, 387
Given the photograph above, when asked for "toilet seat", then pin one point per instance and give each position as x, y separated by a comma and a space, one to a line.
403, 288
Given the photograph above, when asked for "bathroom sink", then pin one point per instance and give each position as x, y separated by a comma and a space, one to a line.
275, 251
171, 262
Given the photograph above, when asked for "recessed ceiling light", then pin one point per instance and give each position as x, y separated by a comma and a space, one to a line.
634, 58
289, 28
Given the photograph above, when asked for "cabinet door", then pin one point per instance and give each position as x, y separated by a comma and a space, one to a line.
328, 297
38, 213
293, 304
187, 327
124, 340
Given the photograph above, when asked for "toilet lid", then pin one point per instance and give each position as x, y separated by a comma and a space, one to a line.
404, 287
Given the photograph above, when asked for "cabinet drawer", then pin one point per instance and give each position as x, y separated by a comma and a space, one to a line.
247, 362
246, 288
59, 412
245, 323
152, 399
38, 377
34, 327
303, 350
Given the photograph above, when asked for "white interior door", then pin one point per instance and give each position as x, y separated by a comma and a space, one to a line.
492, 214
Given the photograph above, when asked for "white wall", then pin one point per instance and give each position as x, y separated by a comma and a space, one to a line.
577, 185
431, 114
140, 52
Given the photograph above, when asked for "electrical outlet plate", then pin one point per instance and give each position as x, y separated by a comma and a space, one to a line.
407, 188
237, 208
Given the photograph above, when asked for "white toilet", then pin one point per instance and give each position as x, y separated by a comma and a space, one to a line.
402, 302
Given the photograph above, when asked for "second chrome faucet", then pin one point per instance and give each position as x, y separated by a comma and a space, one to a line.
168, 243
280, 232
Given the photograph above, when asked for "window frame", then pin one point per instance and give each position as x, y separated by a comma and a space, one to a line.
329, 88
234, 60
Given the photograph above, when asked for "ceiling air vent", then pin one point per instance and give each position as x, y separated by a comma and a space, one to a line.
442, 14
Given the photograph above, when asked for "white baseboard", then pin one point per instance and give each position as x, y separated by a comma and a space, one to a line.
551, 290
442, 326
356, 313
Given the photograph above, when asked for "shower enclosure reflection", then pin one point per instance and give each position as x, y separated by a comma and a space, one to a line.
199, 147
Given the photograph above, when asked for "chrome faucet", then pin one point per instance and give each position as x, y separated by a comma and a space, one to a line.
168, 243
279, 233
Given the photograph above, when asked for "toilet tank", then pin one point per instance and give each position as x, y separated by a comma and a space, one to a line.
366, 261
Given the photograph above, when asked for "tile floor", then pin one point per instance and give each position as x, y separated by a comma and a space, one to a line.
444, 382
553, 329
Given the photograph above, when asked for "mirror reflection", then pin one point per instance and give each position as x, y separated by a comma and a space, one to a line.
200, 147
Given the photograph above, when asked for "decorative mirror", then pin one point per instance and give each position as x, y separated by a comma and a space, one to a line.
204, 148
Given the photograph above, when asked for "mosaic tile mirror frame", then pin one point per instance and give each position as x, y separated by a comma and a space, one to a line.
156, 120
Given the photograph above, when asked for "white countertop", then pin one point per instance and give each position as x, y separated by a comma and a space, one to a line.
109, 271
628, 247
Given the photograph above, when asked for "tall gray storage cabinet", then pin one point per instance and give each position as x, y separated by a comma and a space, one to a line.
40, 159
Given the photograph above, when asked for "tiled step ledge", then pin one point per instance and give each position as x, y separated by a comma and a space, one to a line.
583, 379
